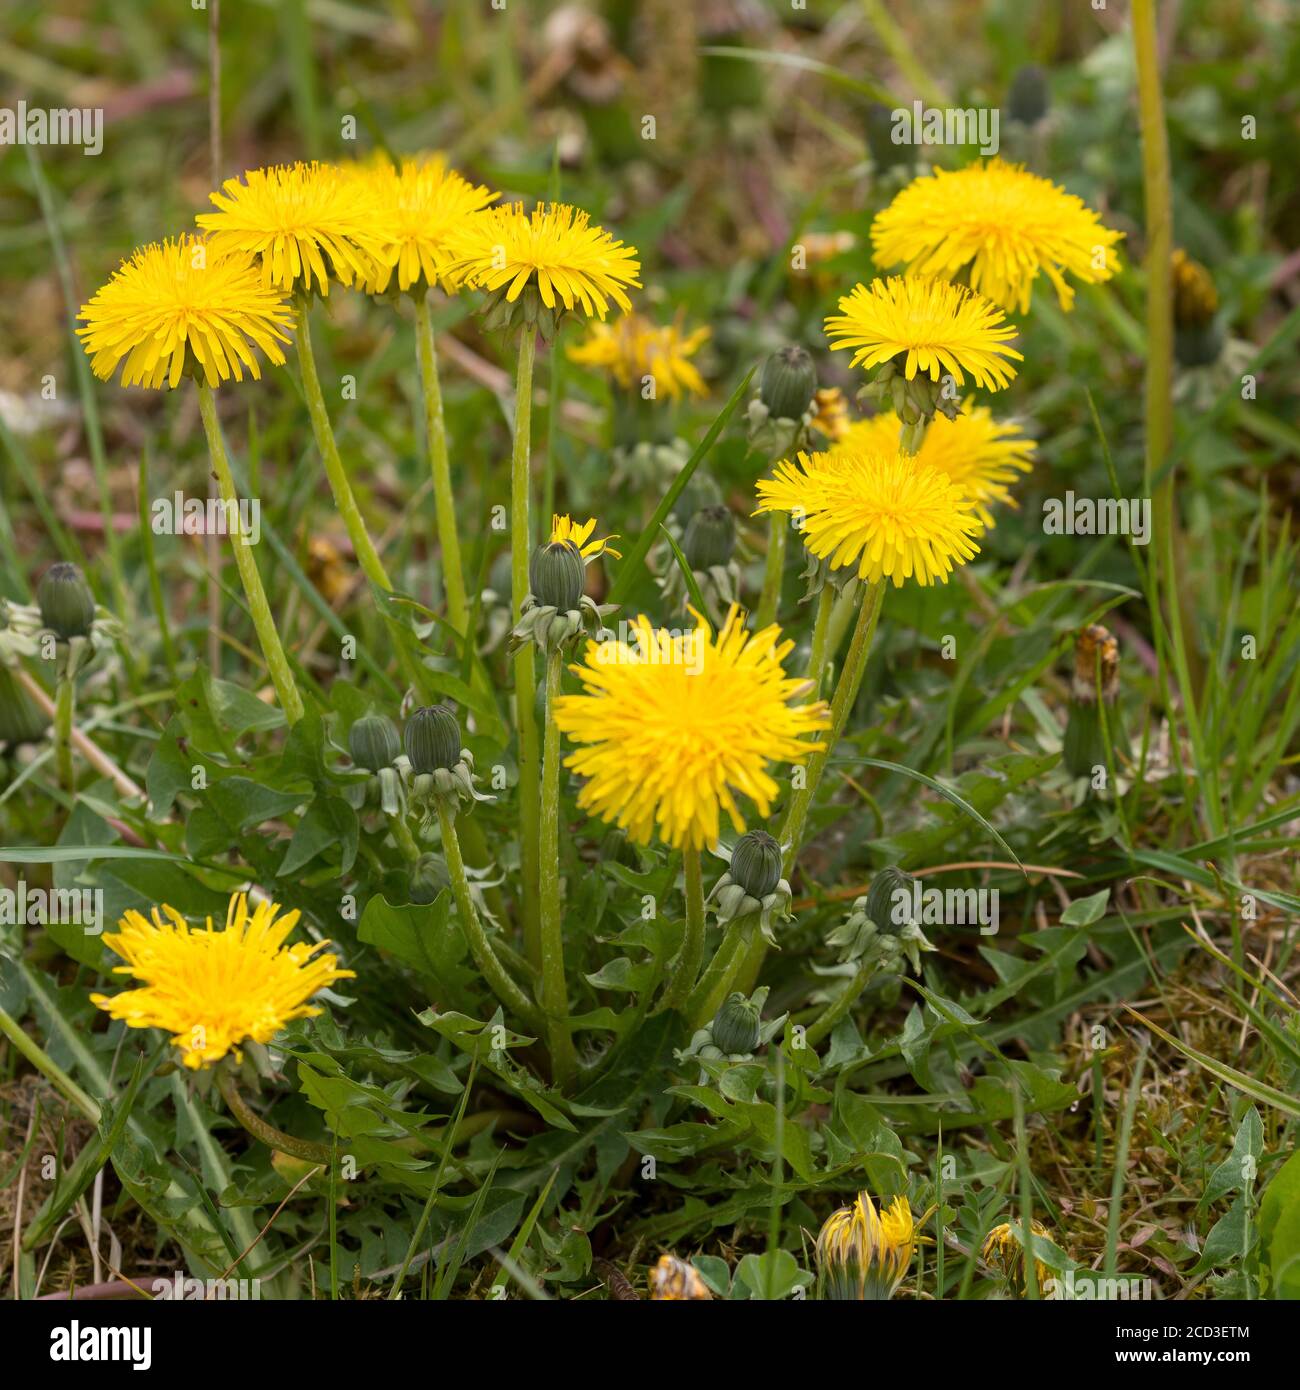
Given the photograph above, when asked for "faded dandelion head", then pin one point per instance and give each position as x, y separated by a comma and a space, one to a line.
863, 1253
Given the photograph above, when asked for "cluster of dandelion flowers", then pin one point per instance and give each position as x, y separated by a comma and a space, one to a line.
292, 217
935, 326
673, 726
212, 990
554, 248
881, 511
864, 1253
181, 305
420, 207
633, 348
1006, 224
979, 455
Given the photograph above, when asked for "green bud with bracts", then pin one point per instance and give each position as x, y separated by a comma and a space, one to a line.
432, 739
889, 899
556, 576
373, 742
736, 1026
428, 879
756, 863
1028, 97
710, 538
66, 603
752, 885
788, 383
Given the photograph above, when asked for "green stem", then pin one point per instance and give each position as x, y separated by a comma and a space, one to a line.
525, 688
716, 982
403, 838
554, 995
262, 1131
821, 629
340, 486
65, 699
435, 428
286, 688
838, 1007
505, 989
770, 598
692, 952
49, 1068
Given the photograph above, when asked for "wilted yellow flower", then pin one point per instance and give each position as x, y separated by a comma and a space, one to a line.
633, 348
294, 216
419, 206
673, 1280
676, 724
863, 1254
938, 326
882, 511
1003, 222
555, 248
183, 302
563, 528
212, 989
979, 455
1005, 1253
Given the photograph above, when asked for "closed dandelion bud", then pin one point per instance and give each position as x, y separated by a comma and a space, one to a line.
756, 863
66, 603
556, 576
1198, 335
788, 383
1028, 99
710, 538
432, 739
428, 879
885, 907
735, 1026
373, 742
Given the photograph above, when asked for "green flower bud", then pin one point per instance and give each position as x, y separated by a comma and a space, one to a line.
710, 538
788, 383
428, 879
373, 742
881, 907
735, 1026
432, 739
556, 576
756, 863
1028, 98
66, 603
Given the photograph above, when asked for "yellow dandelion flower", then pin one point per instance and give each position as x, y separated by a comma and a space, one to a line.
563, 528
675, 724
940, 327
1003, 222
979, 455
831, 415
884, 512
633, 348
863, 1254
673, 1280
179, 303
1005, 1253
420, 206
212, 990
555, 248
292, 217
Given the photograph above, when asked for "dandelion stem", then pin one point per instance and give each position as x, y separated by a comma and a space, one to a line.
822, 1026
46, 1065
716, 982
554, 995
286, 688
262, 1131
525, 713
65, 700
344, 499
821, 627
403, 838
505, 989
435, 428
770, 598
692, 952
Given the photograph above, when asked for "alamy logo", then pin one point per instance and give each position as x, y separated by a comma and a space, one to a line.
947, 907
61, 125
185, 1288
1098, 516
22, 906
77, 1343
683, 648
946, 125
179, 515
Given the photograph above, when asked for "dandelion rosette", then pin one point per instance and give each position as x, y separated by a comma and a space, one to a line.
292, 217
632, 348
1006, 224
675, 724
179, 306
933, 326
212, 990
885, 513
